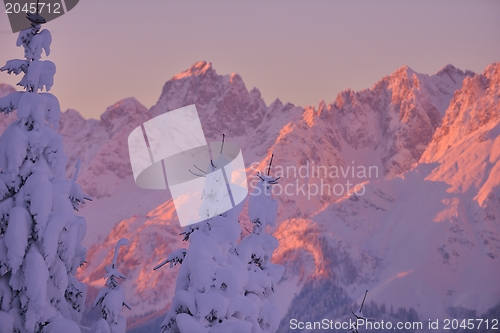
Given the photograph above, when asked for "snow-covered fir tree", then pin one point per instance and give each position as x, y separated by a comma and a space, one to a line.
40, 235
215, 197
111, 299
219, 289
257, 249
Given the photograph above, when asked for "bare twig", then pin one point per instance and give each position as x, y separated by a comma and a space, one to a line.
274, 181
270, 163
222, 146
195, 173
199, 169
362, 303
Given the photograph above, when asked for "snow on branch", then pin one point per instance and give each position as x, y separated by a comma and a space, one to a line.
10, 102
40, 74
112, 272
173, 258
16, 66
111, 298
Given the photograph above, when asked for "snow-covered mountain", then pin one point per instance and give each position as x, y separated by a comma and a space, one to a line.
426, 223
383, 130
427, 239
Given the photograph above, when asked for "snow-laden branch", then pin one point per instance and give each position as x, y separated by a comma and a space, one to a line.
174, 258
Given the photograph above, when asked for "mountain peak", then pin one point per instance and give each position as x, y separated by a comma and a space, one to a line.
448, 68
403, 74
452, 71
199, 68
474, 108
492, 72
125, 105
128, 112
404, 70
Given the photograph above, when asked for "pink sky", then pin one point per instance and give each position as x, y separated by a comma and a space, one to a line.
298, 51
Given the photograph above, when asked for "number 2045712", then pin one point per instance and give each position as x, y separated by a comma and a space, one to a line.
472, 324
16, 8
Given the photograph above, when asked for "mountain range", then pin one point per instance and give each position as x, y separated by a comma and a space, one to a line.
418, 226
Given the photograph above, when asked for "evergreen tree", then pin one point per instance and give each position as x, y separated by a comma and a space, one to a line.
40, 235
256, 251
111, 299
220, 288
